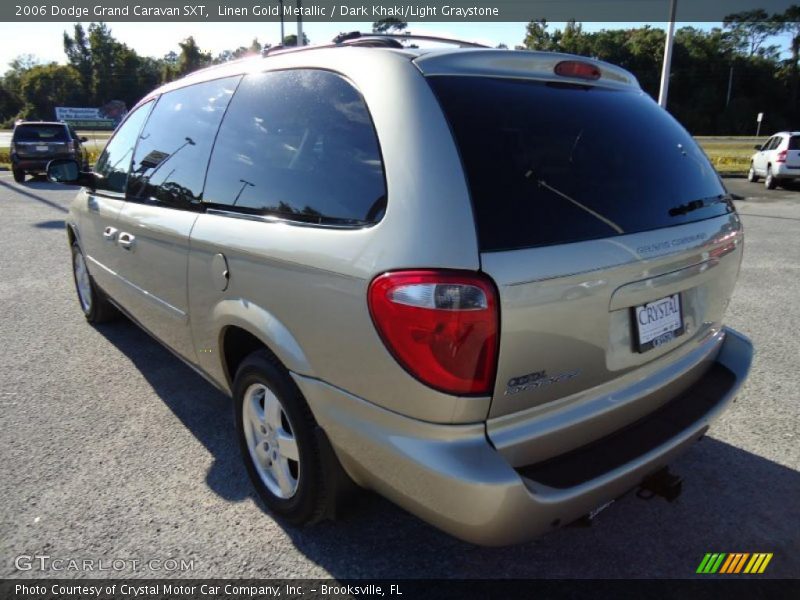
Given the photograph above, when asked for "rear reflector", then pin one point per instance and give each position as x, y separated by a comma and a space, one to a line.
577, 68
441, 326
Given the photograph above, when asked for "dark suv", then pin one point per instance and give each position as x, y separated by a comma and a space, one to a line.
36, 143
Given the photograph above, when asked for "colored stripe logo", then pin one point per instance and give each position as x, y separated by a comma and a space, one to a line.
734, 563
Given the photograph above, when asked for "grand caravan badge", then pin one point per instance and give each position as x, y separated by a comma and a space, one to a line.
537, 380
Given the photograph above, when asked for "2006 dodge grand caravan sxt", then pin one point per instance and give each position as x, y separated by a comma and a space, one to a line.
448, 276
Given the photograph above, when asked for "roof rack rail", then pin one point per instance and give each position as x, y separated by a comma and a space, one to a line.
377, 40
385, 39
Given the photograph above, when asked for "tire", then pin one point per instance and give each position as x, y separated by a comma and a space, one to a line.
769, 181
93, 302
278, 439
19, 176
751, 175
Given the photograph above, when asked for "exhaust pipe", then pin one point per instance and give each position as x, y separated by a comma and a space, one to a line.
661, 483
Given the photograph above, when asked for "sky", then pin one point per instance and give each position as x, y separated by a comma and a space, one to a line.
44, 40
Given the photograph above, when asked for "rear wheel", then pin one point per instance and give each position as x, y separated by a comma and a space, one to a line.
751, 175
94, 304
19, 175
277, 436
769, 181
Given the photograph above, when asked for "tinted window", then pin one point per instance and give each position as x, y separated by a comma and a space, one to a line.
794, 142
114, 163
300, 145
40, 133
552, 163
172, 155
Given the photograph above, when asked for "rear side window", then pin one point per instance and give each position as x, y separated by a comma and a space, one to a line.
298, 145
172, 154
40, 133
550, 163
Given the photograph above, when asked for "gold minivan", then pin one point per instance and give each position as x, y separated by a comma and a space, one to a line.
488, 285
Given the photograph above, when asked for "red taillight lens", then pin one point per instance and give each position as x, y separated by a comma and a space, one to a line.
781, 156
441, 326
577, 68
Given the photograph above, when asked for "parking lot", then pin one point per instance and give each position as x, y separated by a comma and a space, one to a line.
112, 448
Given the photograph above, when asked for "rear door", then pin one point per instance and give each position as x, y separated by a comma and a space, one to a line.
163, 201
760, 158
608, 254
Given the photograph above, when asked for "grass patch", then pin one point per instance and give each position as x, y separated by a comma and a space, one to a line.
731, 156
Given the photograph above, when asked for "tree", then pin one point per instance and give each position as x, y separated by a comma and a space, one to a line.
11, 101
536, 37
291, 40
790, 23
389, 25
750, 29
79, 55
44, 87
191, 57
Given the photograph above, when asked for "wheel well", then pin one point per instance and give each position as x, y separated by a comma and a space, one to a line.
238, 344
70, 235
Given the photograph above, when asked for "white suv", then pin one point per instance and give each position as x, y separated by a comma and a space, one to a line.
777, 160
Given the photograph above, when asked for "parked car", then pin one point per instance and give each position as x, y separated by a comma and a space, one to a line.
36, 143
434, 273
777, 160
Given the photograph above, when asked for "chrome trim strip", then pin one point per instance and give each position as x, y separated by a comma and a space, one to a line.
273, 219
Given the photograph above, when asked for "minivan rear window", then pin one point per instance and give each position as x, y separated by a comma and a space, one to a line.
40, 133
794, 142
551, 163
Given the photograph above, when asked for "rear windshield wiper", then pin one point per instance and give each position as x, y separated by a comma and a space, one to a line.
530, 174
683, 209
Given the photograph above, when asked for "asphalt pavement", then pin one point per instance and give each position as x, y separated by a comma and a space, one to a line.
113, 449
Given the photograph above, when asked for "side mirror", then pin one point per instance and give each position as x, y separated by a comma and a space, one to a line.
83, 139
757, 147
67, 171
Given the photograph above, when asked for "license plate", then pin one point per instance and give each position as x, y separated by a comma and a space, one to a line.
42, 148
657, 322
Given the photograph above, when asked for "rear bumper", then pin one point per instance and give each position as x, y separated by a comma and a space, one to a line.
453, 478
36, 164
782, 171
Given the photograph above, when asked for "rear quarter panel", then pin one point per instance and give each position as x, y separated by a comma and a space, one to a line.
303, 290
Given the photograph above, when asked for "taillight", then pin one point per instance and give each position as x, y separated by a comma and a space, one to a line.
577, 68
781, 156
441, 326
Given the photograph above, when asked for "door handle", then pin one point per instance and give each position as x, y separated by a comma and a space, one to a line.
126, 240
110, 234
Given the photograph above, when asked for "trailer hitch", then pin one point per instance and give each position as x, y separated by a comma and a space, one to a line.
661, 483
